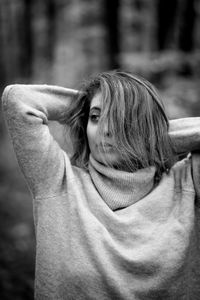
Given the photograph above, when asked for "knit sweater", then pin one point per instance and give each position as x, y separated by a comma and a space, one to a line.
103, 233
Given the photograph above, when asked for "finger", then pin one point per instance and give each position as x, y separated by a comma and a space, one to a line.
187, 181
177, 173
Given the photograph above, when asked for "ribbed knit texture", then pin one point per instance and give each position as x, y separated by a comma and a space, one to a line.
120, 189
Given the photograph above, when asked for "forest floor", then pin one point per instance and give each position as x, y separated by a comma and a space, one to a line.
181, 96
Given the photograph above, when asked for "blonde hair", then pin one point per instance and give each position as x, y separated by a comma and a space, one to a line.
136, 121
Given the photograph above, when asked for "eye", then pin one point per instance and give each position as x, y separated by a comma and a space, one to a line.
94, 117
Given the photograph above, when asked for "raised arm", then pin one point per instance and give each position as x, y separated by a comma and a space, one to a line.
27, 109
185, 134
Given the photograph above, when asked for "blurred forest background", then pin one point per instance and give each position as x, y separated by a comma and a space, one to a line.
64, 41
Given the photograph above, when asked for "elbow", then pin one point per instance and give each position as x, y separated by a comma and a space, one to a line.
11, 94
18, 102
11, 100
7, 92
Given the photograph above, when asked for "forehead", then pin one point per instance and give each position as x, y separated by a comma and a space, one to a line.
96, 100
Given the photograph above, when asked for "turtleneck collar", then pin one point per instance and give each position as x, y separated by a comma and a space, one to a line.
120, 189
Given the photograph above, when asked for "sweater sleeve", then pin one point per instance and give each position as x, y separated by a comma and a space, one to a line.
27, 109
185, 134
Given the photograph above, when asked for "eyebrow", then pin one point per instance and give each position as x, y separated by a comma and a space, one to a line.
95, 108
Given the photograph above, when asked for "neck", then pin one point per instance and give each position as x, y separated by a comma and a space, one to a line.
119, 188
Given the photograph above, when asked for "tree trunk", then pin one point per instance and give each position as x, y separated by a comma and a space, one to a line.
111, 18
26, 34
166, 20
186, 27
51, 29
3, 58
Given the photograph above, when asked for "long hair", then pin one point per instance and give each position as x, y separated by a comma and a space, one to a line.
136, 121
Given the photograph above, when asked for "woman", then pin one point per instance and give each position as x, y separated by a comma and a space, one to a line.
119, 219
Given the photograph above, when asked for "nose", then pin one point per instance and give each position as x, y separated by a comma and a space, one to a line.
106, 131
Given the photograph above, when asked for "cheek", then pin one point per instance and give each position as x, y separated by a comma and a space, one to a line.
91, 135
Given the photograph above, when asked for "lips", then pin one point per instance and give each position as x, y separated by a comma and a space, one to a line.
105, 147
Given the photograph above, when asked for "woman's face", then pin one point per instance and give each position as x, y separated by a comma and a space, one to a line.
97, 150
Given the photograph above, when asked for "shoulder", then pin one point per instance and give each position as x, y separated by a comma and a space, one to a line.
79, 172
